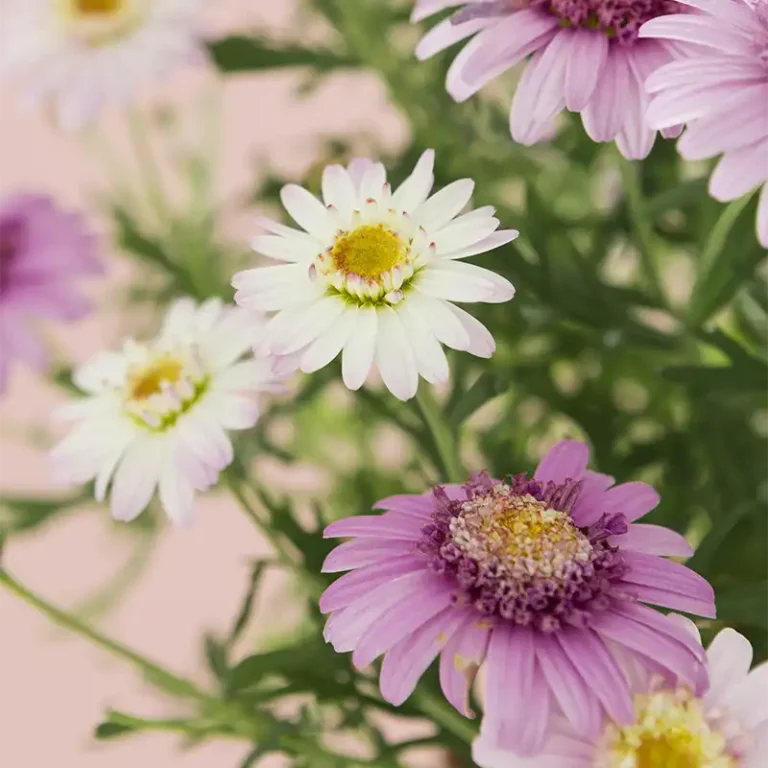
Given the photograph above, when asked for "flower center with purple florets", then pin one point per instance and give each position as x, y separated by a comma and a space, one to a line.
12, 234
618, 19
514, 551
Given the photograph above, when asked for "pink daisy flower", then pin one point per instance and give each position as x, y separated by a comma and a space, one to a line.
725, 727
720, 89
42, 251
585, 56
544, 579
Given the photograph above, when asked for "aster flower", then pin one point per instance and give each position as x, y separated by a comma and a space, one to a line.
720, 89
156, 414
81, 54
374, 275
543, 579
585, 56
725, 727
42, 251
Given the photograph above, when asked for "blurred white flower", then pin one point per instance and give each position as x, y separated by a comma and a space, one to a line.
374, 273
82, 54
157, 413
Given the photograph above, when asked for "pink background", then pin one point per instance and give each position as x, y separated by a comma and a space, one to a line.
54, 687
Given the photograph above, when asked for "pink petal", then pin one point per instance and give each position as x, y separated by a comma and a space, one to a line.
588, 509
762, 217
740, 171
362, 552
566, 461
604, 114
384, 526
587, 54
633, 500
700, 30
654, 540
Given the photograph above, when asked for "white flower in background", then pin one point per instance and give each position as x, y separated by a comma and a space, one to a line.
157, 413
81, 54
374, 274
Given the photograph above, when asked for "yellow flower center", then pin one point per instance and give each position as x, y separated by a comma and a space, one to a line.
520, 533
147, 382
101, 22
370, 251
670, 730
97, 7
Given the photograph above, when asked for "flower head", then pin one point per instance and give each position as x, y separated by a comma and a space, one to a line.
157, 413
374, 274
672, 725
585, 56
83, 54
42, 250
719, 87
544, 579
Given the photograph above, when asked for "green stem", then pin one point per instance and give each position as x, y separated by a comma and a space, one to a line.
444, 715
442, 435
148, 168
642, 225
155, 674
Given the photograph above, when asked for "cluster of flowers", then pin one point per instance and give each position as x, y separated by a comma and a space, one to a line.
545, 579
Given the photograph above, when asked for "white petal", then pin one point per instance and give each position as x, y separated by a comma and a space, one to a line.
481, 342
431, 361
372, 183
329, 343
307, 211
444, 205
457, 281
357, 357
104, 370
415, 189
247, 376
493, 241
460, 234
338, 190
444, 324
177, 496
729, 657
180, 317
108, 467
136, 477
233, 411
394, 356
747, 701
286, 248
264, 279
309, 325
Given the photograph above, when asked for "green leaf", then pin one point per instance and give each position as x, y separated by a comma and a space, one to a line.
743, 604
247, 606
106, 731
217, 657
731, 256
250, 54
24, 514
463, 404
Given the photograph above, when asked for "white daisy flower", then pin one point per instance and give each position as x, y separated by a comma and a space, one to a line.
374, 273
157, 413
81, 54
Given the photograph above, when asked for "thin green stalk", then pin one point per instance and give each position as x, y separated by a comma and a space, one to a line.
148, 168
444, 715
642, 225
154, 673
442, 435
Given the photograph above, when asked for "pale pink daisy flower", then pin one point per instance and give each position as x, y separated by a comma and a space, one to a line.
672, 726
544, 580
83, 54
374, 274
156, 415
720, 90
43, 250
585, 56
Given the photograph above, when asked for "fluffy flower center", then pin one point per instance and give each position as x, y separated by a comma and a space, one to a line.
161, 386
618, 19
670, 729
373, 262
513, 550
519, 535
100, 22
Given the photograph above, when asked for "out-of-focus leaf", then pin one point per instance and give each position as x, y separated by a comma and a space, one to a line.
730, 257
463, 404
217, 657
24, 514
743, 604
249, 54
247, 605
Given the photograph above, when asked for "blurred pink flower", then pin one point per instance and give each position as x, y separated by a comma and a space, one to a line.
585, 57
42, 250
720, 89
725, 727
540, 578
82, 54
